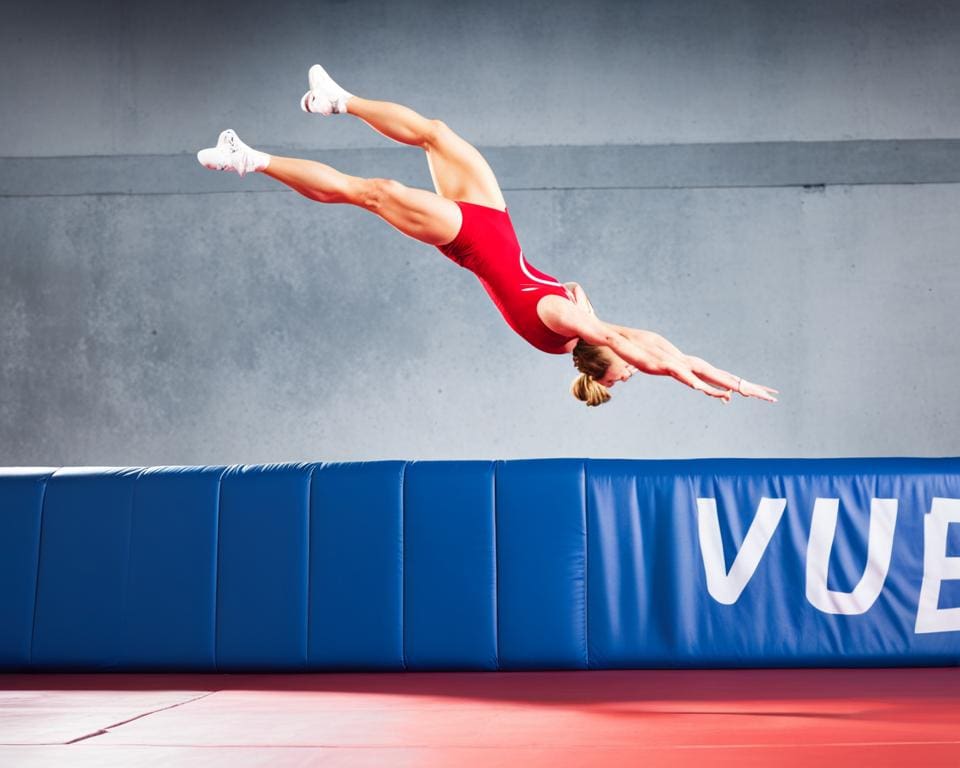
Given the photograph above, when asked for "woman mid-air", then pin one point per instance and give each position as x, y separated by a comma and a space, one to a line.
467, 219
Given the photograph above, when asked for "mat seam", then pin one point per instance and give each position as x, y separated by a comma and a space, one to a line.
36, 586
107, 729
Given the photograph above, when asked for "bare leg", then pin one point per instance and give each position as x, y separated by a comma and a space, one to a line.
417, 213
315, 180
458, 169
394, 121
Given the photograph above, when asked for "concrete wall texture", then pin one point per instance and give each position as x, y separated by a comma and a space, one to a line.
771, 185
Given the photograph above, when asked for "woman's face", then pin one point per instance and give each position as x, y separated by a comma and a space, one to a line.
617, 370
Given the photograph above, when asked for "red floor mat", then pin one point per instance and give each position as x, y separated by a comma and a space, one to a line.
610, 718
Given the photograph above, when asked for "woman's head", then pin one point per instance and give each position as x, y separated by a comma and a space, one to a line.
600, 368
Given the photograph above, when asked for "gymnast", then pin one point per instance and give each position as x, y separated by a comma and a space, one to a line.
468, 221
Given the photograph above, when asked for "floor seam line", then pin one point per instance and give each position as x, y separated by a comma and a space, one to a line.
107, 729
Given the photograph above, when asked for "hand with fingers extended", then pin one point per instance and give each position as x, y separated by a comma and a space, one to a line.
707, 372
606, 354
651, 353
660, 357
677, 367
759, 391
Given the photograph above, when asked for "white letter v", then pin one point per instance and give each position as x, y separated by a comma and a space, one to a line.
723, 586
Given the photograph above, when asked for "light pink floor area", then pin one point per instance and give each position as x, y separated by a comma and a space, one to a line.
779, 718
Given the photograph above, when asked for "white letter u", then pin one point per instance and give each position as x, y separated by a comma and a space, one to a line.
823, 531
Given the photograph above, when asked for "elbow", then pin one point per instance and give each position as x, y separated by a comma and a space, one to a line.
601, 340
611, 339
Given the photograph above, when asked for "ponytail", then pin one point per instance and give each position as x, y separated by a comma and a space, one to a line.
589, 390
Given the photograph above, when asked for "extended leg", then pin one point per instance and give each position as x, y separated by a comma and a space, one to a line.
417, 213
316, 181
458, 169
395, 121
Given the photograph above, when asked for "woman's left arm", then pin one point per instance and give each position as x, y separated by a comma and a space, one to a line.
701, 367
722, 378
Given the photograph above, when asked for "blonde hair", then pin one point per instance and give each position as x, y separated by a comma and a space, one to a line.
592, 364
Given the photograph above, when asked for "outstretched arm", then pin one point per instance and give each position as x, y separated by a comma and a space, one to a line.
569, 319
702, 368
707, 372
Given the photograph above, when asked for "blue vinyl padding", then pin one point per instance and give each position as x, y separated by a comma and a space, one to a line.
450, 566
263, 567
171, 595
356, 576
21, 503
84, 556
542, 564
481, 565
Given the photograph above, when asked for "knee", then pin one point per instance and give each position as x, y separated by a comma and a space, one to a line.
435, 131
377, 192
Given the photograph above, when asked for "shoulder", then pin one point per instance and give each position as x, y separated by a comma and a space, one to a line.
564, 317
555, 307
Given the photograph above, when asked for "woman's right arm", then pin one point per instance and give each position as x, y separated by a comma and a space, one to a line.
702, 369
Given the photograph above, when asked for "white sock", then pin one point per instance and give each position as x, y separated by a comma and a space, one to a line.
322, 105
257, 160
342, 102
249, 159
231, 154
325, 96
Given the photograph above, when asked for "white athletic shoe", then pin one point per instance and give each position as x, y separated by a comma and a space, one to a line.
325, 97
231, 154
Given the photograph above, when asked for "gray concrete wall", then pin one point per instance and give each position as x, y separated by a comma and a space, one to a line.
153, 78
155, 313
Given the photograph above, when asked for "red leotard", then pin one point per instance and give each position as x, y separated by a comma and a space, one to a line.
487, 245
